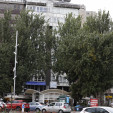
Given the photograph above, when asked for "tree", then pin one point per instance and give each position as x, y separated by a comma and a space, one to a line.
35, 43
6, 53
85, 55
95, 75
99, 23
34, 51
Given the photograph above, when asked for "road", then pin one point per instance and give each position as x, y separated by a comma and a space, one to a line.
35, 112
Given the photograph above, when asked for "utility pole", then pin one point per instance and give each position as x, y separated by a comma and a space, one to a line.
15, 62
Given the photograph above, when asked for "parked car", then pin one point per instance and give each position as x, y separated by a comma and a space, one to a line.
35, 106
78, 108
59, 107
17, 105
98, 109
2, 105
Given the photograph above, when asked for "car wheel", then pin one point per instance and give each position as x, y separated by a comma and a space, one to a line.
60, 111
43, 111
18, 108
7, 110
37, 110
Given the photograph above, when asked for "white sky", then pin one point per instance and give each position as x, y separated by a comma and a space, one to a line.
96, 5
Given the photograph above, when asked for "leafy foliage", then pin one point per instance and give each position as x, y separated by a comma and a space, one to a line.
34, 50
35, 43
99, 23
6, 53
86, 54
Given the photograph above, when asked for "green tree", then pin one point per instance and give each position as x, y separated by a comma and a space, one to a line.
34, 51
6, 53
85, 55
99, 23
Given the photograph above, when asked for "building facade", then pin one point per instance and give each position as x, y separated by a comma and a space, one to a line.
90, 13
14, 6
54, 11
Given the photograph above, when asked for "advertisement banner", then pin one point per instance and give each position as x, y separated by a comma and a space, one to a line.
53, 84
93, 102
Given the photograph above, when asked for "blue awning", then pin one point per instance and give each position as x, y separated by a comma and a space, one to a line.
36, 83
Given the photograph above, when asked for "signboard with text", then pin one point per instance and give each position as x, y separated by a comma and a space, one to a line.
67, 99
93, 102
53, 84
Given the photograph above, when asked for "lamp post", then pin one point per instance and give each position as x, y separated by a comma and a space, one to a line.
15, 62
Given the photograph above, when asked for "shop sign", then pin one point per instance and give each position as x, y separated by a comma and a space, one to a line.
93, 102
108, 97
53, 84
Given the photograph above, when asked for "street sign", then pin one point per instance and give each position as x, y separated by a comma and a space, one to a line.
93, 102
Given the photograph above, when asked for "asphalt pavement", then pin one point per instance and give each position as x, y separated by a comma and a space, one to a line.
34, 112
75, 111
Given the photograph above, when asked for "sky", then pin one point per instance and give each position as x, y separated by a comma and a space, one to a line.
96, 5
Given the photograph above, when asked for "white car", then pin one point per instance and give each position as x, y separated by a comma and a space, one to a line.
2, 105
35, 106
98, 109
58, 107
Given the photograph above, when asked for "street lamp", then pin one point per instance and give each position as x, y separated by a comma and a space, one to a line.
15, 62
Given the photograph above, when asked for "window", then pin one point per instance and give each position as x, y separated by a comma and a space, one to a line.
58, 104
15, 102
51, 104
60, 79
37, 103
37, 9
34, 103
91, 110
53, 78
31, 103
33, 8
30, 8
43, 9
101, 110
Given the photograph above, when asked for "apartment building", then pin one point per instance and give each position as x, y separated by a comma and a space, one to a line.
13, 5
90, 13
55, 11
